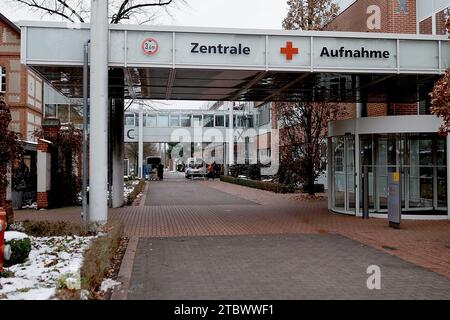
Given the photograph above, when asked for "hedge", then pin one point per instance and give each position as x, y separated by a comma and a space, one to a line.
268, 186
133, 194
98, 257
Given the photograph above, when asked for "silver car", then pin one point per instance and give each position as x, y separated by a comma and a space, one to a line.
195, 167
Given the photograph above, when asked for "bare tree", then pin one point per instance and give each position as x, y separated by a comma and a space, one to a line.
303, 135
139, 11
304, 124
309, 14
440, 97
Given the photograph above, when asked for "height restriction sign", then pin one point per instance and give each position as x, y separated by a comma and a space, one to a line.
150, 46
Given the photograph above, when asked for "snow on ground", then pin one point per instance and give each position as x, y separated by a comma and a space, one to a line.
14, 235
49, 259
129, 187
108, 284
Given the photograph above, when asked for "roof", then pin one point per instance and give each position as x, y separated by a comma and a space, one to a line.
10, 23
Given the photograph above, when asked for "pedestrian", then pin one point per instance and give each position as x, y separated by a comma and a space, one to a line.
211, 171
160, 170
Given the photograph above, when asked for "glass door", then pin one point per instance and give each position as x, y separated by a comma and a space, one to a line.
344, 174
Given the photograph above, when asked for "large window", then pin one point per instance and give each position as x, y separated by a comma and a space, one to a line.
50, 110
220, 120
163, 120
2, 79
151, 120
185, 120
208, 120
174, 120
129, 119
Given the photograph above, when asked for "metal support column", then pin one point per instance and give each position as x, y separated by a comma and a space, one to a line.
141, 143
98, 147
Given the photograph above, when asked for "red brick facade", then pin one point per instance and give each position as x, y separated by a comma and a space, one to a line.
440, 22
42, 200
361, 15
426, 26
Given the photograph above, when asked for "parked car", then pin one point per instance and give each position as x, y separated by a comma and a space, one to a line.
196, 167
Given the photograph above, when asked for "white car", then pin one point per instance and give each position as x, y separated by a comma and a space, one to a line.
195, 167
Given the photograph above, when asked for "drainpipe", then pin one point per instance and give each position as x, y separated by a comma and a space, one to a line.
85, 127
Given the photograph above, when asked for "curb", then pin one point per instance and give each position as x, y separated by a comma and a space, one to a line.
126, 268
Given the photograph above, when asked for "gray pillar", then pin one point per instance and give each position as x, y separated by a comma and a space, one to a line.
141, 144
98, 146
118, 154
359, 106
230, 135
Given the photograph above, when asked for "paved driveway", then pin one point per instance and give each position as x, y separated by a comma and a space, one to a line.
274, 267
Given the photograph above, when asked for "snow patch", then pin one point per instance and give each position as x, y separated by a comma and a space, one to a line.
14, 235
49, 259
108, 284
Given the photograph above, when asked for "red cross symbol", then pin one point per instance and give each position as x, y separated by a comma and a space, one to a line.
289, 51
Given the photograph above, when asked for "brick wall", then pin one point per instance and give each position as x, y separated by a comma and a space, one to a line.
426, 26
402, 109
376, 109
392, 18
440, 23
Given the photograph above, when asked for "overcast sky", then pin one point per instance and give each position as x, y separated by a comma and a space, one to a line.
259, 14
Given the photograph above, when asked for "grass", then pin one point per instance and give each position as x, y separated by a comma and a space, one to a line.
98, 257
137, 190
268, 186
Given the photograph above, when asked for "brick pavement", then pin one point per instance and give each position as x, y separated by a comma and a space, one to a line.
274, 267
424, 243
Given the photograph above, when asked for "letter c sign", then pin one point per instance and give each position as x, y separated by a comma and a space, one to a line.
130, 134
150, 46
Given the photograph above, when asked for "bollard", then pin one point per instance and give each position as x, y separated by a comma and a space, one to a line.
2, 236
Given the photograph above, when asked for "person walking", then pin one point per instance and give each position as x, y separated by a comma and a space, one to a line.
211, 171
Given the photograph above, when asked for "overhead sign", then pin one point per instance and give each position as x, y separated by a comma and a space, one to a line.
219, 49
184, 47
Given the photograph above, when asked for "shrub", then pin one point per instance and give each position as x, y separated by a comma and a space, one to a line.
252, 171
54, 229
20, 249
318, 188
268, 186
133, 194
98, 257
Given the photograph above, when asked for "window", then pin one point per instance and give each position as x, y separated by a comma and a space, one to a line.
2, 79
239, 122
50, 110
208, 120
197, 119
174, 120
63, 113
185, 120
76, 114
220, 120
129, 119
151, 120
163, 121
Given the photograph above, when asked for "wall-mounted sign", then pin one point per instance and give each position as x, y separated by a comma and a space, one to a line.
150, 46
